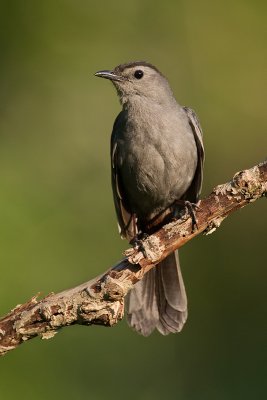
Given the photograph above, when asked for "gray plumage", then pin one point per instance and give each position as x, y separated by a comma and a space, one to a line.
156, 158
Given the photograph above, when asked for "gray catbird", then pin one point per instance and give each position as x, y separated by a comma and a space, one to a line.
156, 159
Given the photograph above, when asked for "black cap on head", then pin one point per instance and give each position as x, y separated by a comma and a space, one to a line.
122, 67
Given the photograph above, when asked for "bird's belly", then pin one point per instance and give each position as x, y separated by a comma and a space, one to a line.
153, 180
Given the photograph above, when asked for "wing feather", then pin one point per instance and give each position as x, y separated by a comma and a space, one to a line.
192, 194
126, 220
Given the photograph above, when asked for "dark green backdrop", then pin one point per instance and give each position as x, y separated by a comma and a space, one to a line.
57, 223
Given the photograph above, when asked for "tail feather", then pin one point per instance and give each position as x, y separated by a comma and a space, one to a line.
142, 301
159, 300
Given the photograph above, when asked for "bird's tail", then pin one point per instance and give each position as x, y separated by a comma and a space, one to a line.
159, 299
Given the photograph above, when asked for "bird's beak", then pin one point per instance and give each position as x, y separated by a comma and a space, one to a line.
109, 75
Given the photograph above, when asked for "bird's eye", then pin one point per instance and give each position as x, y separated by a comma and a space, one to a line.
138, 74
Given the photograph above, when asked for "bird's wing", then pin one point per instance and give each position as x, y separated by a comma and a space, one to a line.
126, 220
193, 192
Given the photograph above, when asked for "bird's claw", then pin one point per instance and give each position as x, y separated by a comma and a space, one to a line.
137, 243
187, 207
191, 209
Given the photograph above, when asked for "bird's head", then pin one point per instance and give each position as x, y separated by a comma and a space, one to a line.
137, 81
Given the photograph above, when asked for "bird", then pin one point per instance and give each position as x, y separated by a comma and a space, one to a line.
157, 157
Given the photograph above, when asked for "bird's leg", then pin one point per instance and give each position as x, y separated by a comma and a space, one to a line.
136, 241
186, 206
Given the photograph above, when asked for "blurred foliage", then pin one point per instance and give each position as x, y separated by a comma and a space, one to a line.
58, 225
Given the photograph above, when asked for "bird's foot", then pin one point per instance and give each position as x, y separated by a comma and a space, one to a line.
137, 243
185, 206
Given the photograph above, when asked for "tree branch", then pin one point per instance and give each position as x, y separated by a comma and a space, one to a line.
101, 300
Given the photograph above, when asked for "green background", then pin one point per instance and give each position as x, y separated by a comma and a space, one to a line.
57, 222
